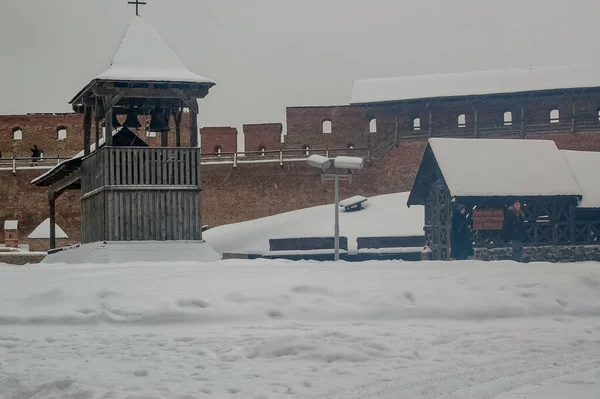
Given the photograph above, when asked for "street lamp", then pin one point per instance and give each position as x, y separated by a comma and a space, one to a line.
331, 169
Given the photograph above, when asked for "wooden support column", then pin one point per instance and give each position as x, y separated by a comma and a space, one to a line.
177, 115
108, 120
87, 130
476, 120
522, 133
193, 127
52, 203
573, 120
164, 139
97, 127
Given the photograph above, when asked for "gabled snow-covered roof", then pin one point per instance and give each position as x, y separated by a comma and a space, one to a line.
474, 83
43, 231
11, 225
585, 166
503, 167
144, 56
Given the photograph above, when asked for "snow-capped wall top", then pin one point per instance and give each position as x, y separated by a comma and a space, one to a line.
585, 166
43, 231
144, 56
474, 83
11, 225
496, 167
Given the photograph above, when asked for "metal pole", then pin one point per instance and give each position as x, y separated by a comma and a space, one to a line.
337, 219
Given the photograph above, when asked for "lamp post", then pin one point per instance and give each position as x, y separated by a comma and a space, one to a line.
331, 169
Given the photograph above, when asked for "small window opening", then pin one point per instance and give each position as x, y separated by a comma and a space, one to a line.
373, 126
61, 133
327, 126
306, 149
462, 120
508, 118
218, 150
149, 133
554, 116
417, 124
17, 133
599, 115
262, 150
350, 146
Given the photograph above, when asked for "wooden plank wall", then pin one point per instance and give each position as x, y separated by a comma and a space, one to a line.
132, 193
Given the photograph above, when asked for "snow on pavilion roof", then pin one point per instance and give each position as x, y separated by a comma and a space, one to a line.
474, 83
503, 167
144, 56
585, 166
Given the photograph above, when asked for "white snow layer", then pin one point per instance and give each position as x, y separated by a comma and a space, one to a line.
43, 231
143, 55
135, 251
585, 166
497, 167
11, 225
474, 83
277, 329
382, 216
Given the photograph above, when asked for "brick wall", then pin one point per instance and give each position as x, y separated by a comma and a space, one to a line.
213, 138
265, 135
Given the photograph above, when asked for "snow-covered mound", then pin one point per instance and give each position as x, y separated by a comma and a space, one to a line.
274, 329
382, 216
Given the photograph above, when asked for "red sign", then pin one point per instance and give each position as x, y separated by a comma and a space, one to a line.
488, 219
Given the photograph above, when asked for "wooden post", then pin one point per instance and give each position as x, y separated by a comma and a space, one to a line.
108, 121
573, 120
476, 120
97, 118
87, 130
193, 128
177, 115
164, 139
52, 203
522, 133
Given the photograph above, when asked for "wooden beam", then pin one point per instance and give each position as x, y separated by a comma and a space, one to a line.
87, 130
573, 120
108, 121
114, 100
193, 128
522, 133
430, 121
177, 115
130, 92
97, 131
476, 120
63, 184
191, 102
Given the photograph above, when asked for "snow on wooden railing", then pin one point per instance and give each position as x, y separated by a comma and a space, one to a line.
224, 158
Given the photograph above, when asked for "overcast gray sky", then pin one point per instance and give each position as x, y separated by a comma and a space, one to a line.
269, 54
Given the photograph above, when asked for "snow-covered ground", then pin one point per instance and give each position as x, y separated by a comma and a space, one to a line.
382, 216
277, 329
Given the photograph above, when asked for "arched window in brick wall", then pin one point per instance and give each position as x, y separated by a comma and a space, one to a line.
262, 149
462, 120
306, 149
417, 124
350, 146
17, 133
218, 150
327, 126
61, 133
598, 114
508, 118
554, 116
373, 126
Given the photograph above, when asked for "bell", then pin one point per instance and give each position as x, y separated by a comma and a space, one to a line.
132, 121
159, 121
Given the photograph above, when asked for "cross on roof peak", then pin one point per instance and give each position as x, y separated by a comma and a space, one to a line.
137, 5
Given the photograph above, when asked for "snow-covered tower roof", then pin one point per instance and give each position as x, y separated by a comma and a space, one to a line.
43, 231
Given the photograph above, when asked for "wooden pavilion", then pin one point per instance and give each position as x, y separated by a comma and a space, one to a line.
487, 175
129, 191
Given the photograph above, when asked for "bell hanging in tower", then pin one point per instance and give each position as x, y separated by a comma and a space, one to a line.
158, 122
132, 121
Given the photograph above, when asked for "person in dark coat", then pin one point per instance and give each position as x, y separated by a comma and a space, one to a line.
460, 238
35, 153
514, 231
